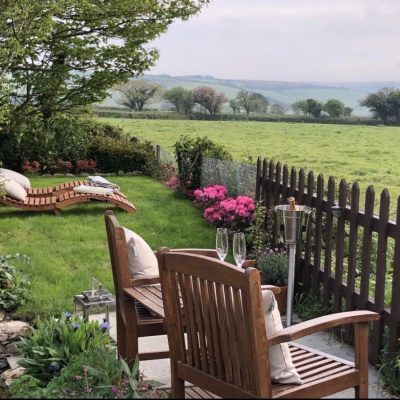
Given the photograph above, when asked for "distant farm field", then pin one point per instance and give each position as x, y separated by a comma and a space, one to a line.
368, 155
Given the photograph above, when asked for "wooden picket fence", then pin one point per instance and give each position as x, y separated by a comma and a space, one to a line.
351, 262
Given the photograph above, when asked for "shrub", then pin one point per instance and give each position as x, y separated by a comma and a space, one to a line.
28, 166
208, 196
86, 166
234, 214
13, 285
189, 153
96, 374
273, 265
49, 345
114, 155
165, 173
62, 166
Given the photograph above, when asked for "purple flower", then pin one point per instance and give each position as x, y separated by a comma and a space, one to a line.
76, 326
53, 368
67, 315
64, 392
114, 389
105, 326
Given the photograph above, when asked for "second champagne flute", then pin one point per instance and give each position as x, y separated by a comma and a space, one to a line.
221, 243
239, 248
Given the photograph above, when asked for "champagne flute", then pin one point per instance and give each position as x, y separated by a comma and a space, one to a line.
221, 243
239, 248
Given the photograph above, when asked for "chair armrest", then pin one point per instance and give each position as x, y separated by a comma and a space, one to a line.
272, 288
202, 252
146, 280
320, 324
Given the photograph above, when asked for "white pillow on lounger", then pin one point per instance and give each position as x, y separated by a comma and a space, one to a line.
21, 179
13, 189
93, 189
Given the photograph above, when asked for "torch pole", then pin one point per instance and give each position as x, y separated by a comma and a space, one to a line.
289, 306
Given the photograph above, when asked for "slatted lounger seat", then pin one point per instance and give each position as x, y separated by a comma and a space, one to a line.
55, 203
116, 198
62, 188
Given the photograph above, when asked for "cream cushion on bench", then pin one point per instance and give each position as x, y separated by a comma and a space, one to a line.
142, 260
280, 361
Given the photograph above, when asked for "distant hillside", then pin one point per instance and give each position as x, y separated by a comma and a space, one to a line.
285, 93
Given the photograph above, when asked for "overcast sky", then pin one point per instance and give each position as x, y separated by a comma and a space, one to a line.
286, 40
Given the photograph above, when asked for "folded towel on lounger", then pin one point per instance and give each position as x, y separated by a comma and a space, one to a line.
100, 181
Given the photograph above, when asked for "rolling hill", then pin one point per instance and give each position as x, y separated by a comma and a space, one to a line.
285, 93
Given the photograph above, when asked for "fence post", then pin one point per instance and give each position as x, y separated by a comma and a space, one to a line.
158, 149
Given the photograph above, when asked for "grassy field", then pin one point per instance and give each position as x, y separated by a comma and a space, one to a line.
67, 251
368, 155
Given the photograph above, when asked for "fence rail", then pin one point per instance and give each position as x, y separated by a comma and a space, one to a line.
345, 261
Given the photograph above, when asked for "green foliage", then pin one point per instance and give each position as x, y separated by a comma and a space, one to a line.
256, 237
273, 265
181, 99
136, 94
96, 374
384, 104
334, 107
309, 306
189, 153
49, 345
14, 286
113, 50
62, 137
114, 155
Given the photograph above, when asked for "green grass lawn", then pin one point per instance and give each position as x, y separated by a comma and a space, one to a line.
67, 251
366, 154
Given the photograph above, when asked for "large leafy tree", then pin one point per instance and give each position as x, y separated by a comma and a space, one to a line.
384, 104
180, 98
136, 94
258, 103
62, 55
334, 107
244, 100
209, 98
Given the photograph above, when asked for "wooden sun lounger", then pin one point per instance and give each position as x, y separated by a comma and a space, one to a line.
62, 188
55, 203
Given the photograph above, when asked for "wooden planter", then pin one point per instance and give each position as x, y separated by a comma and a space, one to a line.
280, 297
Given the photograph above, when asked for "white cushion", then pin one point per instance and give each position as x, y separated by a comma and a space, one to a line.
93, 189
142, 260
21, 179
280, 361
13, 189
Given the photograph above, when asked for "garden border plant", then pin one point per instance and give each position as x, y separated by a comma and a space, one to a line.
70, 357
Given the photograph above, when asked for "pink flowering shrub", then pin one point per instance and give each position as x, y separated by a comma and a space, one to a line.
173, 183
30, 166
208, 196
235, 214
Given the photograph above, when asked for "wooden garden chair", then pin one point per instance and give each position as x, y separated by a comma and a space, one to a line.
217, 317
139, 305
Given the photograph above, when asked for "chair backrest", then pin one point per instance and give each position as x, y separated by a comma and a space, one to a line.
225, 349
120, 260
118, 256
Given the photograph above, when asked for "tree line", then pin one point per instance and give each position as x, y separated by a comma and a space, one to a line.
136, 94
